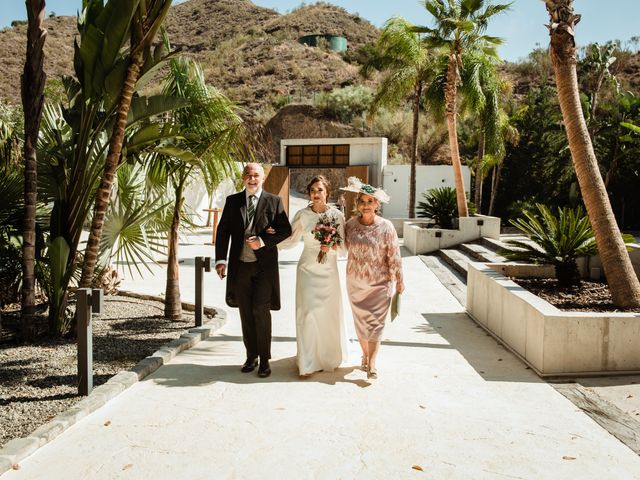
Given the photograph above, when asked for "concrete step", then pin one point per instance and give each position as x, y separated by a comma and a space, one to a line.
450, 278
482, 253
492, 244
457, 260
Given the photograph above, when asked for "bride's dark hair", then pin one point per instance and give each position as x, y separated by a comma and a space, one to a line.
322, 179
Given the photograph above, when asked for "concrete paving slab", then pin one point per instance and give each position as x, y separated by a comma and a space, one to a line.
450, 400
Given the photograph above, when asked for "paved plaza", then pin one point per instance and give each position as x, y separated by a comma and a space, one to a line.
449, 403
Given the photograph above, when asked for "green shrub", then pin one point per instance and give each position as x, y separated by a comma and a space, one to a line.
345, 103
439, 205
558, 239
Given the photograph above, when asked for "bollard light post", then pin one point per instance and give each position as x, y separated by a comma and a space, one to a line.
89, 302
202, 263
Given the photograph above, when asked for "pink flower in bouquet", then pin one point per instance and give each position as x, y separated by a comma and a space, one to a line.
326, 232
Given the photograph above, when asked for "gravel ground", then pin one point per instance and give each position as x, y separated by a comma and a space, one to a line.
39, 381
588, 297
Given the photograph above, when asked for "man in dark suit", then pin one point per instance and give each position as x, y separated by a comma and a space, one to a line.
253, 284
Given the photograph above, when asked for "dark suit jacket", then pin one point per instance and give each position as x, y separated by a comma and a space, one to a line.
269, 213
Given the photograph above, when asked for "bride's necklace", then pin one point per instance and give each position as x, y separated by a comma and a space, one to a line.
324, 209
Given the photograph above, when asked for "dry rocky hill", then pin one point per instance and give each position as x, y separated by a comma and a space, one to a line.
249, 52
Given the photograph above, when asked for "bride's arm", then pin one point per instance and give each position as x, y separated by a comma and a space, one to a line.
342, 248
297, 230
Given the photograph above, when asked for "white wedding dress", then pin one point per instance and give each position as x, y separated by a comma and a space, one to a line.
321, 334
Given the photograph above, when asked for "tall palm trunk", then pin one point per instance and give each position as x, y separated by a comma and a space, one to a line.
622, 280
450, 96
33, 80
495, 182
414, 149
478, 177
110, 167
172, 302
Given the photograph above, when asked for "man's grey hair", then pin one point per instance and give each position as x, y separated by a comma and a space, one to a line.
257, 166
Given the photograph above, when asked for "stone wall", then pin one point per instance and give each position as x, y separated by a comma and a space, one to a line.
299, 178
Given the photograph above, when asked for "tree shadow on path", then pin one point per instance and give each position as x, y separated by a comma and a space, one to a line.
485, 354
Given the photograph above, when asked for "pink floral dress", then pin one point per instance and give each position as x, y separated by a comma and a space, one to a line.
374, 265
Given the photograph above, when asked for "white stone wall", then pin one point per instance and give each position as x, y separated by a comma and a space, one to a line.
396, 183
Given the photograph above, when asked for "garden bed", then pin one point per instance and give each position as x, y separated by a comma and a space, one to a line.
39, 380
587, 297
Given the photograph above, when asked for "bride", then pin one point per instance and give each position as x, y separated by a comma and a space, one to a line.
320, 330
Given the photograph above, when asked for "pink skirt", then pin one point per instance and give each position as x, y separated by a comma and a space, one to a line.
370, 306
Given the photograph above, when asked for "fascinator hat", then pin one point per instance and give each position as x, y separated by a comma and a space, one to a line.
355, 185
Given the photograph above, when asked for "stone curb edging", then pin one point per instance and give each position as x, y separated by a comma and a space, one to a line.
18, 449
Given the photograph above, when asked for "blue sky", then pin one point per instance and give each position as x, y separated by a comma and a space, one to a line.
522, 28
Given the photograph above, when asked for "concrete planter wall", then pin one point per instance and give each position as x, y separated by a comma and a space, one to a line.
550, 341
591, 267
419, 240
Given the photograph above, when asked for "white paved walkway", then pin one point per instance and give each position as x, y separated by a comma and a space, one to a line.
449, 400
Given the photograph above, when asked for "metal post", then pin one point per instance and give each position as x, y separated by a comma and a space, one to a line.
202, 263
85, 342
199, 306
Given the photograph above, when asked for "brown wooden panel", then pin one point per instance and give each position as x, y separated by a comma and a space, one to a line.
310, 149
342, 159
325, 160
294, 150
362, 172
277, 182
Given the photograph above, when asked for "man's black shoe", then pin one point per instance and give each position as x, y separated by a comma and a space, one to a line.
250, 365
264, 371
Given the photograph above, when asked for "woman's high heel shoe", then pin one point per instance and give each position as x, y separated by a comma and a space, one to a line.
363, 364
372, 375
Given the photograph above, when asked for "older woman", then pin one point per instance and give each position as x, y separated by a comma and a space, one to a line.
374, 269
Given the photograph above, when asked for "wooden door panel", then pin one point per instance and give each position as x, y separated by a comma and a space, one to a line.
277, 182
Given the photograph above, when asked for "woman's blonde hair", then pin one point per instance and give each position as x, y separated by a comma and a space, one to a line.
359, 195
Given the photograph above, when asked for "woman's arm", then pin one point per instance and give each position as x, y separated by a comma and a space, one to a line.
394, 259
297, 230
342, 248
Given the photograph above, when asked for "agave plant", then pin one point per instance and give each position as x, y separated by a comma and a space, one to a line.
558, 239
439, 205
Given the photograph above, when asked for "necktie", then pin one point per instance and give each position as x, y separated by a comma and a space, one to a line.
251, 209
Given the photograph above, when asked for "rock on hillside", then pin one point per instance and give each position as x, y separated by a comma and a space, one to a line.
302, 121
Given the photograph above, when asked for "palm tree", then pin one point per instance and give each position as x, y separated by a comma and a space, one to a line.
459, 27
482, 94
210, 136
33, 80
622, 280
148, 16
409, 66
74, 138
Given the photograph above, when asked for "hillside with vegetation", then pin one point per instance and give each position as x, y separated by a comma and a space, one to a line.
249, 52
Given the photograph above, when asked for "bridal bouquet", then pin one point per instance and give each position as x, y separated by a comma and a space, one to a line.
326, 232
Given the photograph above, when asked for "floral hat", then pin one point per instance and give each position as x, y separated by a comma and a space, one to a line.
355, 185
